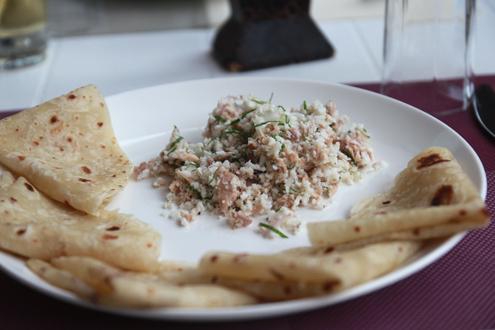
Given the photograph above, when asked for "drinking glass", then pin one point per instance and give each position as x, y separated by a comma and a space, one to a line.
22, 33
427, 53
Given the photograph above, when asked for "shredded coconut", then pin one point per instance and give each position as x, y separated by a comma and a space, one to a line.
261, 159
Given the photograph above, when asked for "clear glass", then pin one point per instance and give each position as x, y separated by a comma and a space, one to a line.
22, 33
427, 53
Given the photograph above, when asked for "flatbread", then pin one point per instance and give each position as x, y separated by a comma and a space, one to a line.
66, 147
115, 287
183, 274
431, 198
62, 278
333, 270
34, 226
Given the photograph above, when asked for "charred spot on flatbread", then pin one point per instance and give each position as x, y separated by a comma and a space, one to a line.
443, 196
430, 160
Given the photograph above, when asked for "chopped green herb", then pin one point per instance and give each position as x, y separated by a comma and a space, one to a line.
305, 105
191, 164
364, 131
195, 192
273, 229
232, 131
244, 114
220, 119
281, 107
284, 121
235, 121
210, 142
255, 100
173, 145
271, 98
210, 180
348, 154
266, 122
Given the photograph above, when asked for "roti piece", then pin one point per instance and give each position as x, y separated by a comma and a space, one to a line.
266, 291
182, 274
431, 198
66, 147
60, 278
34, 226
333, 270
141, 290
277, 291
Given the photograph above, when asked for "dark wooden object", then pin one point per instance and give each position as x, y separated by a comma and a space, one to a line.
265, 33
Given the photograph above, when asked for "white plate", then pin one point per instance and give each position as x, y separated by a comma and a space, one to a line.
142, 120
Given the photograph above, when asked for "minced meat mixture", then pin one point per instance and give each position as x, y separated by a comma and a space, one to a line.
259, 161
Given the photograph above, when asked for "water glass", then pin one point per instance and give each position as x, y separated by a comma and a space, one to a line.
22, 33
427, 53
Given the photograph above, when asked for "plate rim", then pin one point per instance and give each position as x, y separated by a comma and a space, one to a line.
265, 310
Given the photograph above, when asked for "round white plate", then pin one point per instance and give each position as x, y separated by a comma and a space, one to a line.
143, 119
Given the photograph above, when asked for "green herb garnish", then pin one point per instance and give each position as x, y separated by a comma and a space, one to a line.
255, 100
244, 114
211, 141
220, 119
173, 145
266, 122
191, 164
365, 132
235, 121
305, 106
348, 154
271, 98
287, 121
294, 190
195, 192
210, 180
273, 229
281, 107
233, 130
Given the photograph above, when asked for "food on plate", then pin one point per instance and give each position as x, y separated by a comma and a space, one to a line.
332, 269
275, 277
261, 159
104, 284
60, 278
432, 197
66, 147
62, 164
35, 226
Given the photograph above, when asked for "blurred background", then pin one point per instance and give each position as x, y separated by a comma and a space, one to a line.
121, 45
79, 17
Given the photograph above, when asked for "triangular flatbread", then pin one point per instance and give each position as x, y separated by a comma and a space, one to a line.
66, 147
101, 283
305, 271
432, 197
35, 226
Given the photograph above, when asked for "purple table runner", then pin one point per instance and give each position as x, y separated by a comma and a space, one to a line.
456, 292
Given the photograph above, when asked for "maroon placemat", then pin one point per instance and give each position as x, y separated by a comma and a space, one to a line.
456, 292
